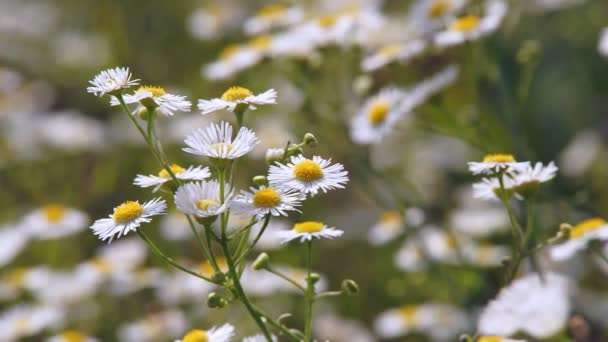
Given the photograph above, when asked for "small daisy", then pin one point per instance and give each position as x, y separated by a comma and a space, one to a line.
233, 59
191, 173
538, 307
54, 221
267, 200
309, 230
72, 336
377, 117
329, 29
430, 15
410, 257
111, 81
580, 235
308, 175
237, 96
495, 163
202, 199
273, 16
157, 97
472, 27
603, 43
529, 179
401, 52
127, 217
489, 188
222, 333
390, 226
215, 141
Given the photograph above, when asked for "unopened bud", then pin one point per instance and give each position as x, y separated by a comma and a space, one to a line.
261, 262
143, 113
259, 180
149, 103
219, 277
310, 140
565, 229
294, 150
314, 277
350, 287
215, 301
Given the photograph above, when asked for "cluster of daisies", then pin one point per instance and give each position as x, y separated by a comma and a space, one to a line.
279, 31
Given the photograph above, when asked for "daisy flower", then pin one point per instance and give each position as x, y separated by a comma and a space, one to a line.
377, 117
237, 96
535, 306
127, 217
258, 338
54, 221
430, 15
489, 188
157, 97
158, 326
22, 321
393, 52
267, 200
12, 240
273, 16
215, 141
603, 43
231, 60
111, 81
71, 336
202, 199
529, 179
191, 173
309, 230
580, 235
308, 175
390, 225
216, 334
472, 27
495, 163
410, 257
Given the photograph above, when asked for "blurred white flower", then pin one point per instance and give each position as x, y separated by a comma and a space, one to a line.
71, 336
191, 173
308, 175
431, 15
75, 49
580, 235
330, 327
390, 225
269, 240
603, 43
23, 321
409, 257
580, 153
535, 306
232, 59
127, 217
54, 221
175, 227
273, 16
12, 242
161, 326
438, 320
71, 131
389, 53
480, 221
308, 231
258, 338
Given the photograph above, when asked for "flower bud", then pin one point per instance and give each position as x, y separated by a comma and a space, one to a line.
149, 103
465, 338
310, 140
143, 113
565, 230
215, 301
294, 150
261, 262
314, 277
259, 180
219, 277
350, 287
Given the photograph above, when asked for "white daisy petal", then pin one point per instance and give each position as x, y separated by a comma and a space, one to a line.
308, 175
202, 199
267, 200
307, 231
236, 96
127, 217
189, 174
111, 80
215, 141
223, 333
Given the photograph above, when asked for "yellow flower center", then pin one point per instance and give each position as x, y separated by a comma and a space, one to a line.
54, 212
271, 11
16, 277
390, 50
236, 93
377, 112
73, 336
204, 204
196, 335
229, 51
156, 91
498, 158
408, 313
260, 43
102, 265
266, 198
176, 169
327, 21
307, 171
308, 227
587, 226
206, 268
490, 339
391, 220
438, 8
127, 212
466, 23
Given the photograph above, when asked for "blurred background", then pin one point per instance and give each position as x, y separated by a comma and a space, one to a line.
414, 235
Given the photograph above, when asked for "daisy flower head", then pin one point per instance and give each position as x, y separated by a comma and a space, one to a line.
472, 27
528, 180
111, 81
496, 163
308, 175
223, 333
267, 200
430, 15
273, 16
237, 97
215, 141
164, 178
231, 60
155, 97
127, 217
377, 117
54, 221
490, 188
393, 52
309, 230
390, 225
202, 199
581, 234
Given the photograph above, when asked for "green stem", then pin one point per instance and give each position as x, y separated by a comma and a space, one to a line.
286, 278
212, 259
255, 241
310, 293
328, 294
279, 326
